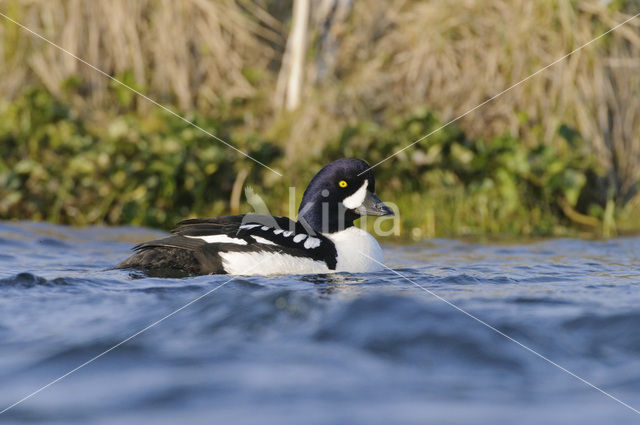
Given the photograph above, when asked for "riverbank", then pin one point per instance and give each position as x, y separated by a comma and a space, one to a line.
64, 165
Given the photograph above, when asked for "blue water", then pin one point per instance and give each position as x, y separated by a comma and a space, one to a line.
338, 349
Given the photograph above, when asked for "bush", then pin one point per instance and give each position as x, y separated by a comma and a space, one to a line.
146, 170
154, 169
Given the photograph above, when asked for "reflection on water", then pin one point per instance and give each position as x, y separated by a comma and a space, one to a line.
342, 283
340, 348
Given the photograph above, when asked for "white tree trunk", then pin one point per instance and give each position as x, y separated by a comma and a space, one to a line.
292, 71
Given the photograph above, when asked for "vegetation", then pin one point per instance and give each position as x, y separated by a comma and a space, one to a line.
558, 155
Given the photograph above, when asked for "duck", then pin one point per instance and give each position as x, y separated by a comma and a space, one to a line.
322, 240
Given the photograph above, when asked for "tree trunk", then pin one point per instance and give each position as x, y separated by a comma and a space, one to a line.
289, 88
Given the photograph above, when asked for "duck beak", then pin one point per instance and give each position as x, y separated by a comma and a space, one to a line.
372, 205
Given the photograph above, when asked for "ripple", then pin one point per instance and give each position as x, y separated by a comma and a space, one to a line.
323, 344
53, 243
400, 328
540, 300
26, 280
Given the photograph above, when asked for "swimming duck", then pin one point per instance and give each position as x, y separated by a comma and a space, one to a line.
322, 240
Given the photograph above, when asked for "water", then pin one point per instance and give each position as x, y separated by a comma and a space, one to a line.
339, 349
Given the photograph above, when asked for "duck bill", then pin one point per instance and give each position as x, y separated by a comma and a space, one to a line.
372, 205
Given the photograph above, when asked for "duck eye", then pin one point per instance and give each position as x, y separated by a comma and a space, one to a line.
342, 183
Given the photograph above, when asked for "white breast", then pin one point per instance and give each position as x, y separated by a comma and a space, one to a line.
351, 244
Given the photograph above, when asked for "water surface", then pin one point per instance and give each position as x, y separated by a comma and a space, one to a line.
336, 349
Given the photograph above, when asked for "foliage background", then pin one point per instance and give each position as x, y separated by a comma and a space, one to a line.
557, 155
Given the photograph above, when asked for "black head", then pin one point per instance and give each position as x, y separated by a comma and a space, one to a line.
340, 193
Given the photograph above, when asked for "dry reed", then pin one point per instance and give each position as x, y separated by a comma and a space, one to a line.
454, 55
191, 53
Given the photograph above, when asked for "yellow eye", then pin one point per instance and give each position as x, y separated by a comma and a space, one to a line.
342, 183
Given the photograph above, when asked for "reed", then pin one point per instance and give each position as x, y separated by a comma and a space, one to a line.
454, 55
195, 54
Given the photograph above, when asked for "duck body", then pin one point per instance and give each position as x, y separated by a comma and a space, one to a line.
323, 240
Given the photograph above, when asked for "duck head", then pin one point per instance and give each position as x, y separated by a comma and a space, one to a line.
340, 193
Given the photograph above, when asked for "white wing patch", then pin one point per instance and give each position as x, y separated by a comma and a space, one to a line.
312, 242
309, 241
249, 226
262, 240
354, 201
220, 239
299, 237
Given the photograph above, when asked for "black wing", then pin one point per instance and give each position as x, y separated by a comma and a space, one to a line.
230, 225
260, 231
186, 253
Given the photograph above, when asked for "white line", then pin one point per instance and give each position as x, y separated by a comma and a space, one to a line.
140, 94
503, 92
532, 351
122, 342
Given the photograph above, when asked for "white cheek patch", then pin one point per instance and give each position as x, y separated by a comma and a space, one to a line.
354, 201
220, 239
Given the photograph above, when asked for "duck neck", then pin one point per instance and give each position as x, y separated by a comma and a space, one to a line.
325, 218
